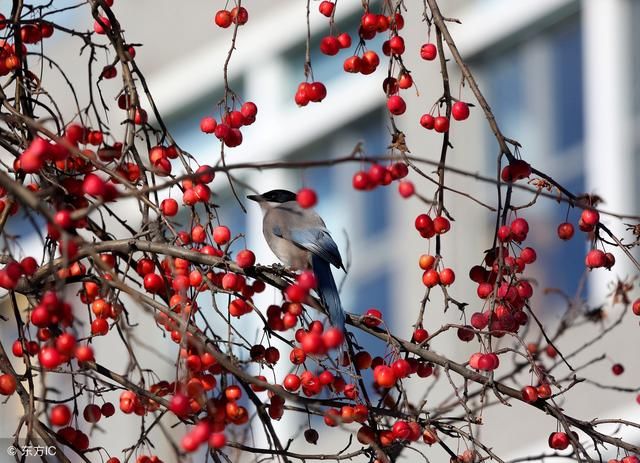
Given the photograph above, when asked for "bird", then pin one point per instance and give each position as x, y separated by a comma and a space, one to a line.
300, 239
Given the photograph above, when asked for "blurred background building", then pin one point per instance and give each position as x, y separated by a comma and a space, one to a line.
560, 75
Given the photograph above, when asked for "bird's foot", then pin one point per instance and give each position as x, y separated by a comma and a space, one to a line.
283, 268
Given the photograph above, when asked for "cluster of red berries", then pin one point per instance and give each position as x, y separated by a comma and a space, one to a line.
531, 394
160, 159
73, 438
365, 64
228, 131
285, 317
485, 362
331, 45
377, 175
57, 351
589, 219
221, 411
459, 111
370, 25
298, 291
195, 190
431, 276
387, 375
51, 315
428, 227
317, 341
29, 34
512, 291
12, 272
308, 92
224, 18
38, 152
405, 431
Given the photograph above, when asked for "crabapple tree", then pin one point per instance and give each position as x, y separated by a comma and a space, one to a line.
78, 279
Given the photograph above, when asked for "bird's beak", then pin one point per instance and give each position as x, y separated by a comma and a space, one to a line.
256, 198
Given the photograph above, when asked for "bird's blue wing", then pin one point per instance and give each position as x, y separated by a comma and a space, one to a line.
315, 240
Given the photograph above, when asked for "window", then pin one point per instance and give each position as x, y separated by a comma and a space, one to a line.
566, 68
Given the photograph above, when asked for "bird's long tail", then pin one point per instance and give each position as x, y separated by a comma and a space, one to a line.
328, 291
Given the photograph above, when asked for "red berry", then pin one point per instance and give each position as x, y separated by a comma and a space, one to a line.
405, 80
179, 405
420, 335
107, 409
361, 181
447, 277
529, 394
460, 110
223, 19
406, 189
240, 15
153, 282
428, 51
49, 357
317, 92
544, 391
333, 338
291, 382
396, 45
595, 259
307, 198
617, 369
169, 207
427, 121
208, 124
245, 258
84, 354
345, 40
401, 430
401, 368
102, 25
369, 22
590, 217
60, 415
352, 64
384, 376
372, 318
558, 440
99, 327
396, 105
326, 8
217, 440
8, 384
431, 278
565, 231
221, 235
92, 413
441, 124
329, 45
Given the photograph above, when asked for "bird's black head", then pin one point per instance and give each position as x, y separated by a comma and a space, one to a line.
274, 196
